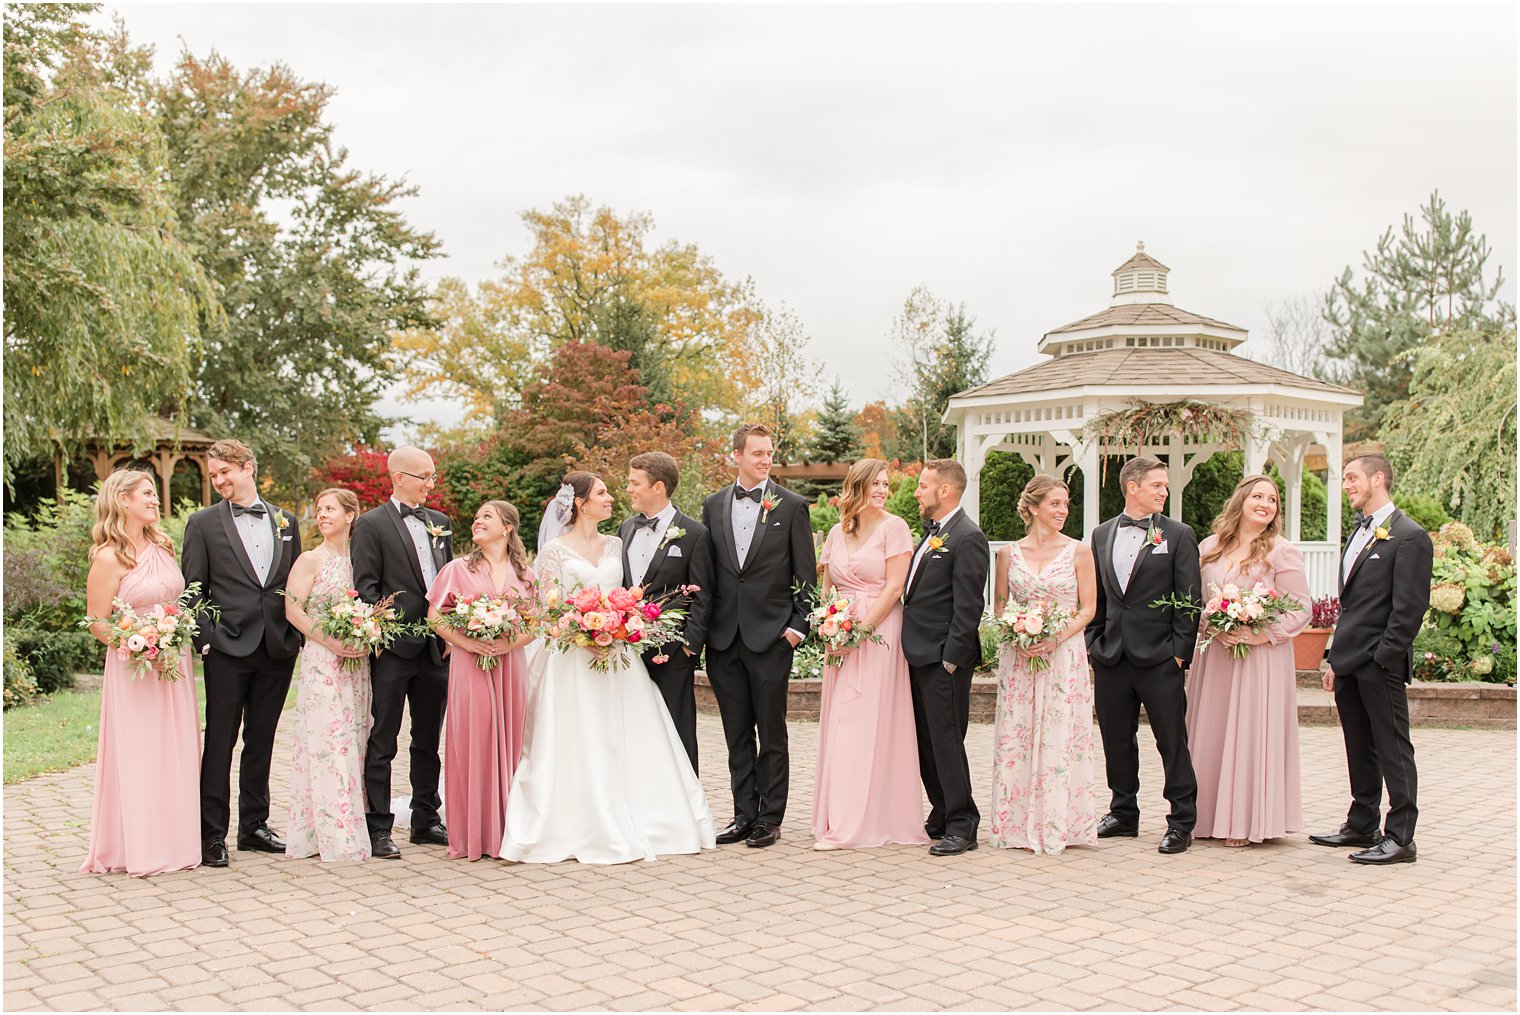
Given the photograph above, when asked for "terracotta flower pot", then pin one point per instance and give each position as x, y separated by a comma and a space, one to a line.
1309, 647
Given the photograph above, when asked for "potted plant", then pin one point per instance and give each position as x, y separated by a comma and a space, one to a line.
1309, 645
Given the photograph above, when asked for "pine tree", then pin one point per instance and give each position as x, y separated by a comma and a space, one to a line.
1428, 281
837, 438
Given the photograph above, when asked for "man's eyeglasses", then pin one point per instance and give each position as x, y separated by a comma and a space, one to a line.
426, 479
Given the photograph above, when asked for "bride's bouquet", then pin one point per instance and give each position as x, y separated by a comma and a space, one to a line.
142, 639
610, 623
487, 618
837, 625
1232, 608
357, 624
1026, 625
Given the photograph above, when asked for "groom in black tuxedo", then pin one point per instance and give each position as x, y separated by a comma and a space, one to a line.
942, 610
240, 551
401, 546
764, 571
1385, 591
663, 549
1140, 653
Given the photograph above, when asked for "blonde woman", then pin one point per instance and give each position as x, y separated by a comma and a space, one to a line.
1242, 714
867, 781
146, 816
1042, 779
332, 717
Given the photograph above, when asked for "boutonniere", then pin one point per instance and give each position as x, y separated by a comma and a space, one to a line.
768, 504
1153, 536
674, 532
281, 523
438, 531
936, 544
1379, 533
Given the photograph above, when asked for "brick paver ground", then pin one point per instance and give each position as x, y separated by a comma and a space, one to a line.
1283, 926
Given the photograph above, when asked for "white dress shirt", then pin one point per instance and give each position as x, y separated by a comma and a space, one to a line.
1362, 536
422, 542
257, 534
645, 541
746, 515
1128, 542
923, 547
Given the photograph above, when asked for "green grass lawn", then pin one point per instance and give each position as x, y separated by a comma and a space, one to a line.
63, 731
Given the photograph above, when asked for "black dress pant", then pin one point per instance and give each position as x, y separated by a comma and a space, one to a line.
244, 693
423, 686
751, 688
1374, 710
941, 712
677, 680
1118, 692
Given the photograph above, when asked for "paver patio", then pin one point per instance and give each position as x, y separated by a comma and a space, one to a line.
1285, 926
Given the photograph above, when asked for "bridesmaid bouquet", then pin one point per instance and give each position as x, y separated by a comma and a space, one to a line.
606, 623
487, 618
1028, 624
1232, 608
835, 623
167, 629
358, 624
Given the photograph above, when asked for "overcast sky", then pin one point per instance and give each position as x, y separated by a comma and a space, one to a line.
1007, 157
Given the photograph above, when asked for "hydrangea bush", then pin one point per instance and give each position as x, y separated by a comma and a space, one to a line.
1469, 632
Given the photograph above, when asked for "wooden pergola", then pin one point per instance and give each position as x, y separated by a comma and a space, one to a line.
172, 444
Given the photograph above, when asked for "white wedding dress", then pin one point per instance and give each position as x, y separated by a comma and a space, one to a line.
603, 776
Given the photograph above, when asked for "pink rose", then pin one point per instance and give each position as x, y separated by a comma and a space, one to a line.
652, 611
603, 639
634, 637
593, 621
621, 599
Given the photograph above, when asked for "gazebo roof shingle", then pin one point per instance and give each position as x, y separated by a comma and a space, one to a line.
1140, 259
1178, 368
1142, 314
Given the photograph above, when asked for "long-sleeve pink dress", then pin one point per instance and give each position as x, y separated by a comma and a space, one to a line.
1242, 714
484, 734
868, 791
147, 811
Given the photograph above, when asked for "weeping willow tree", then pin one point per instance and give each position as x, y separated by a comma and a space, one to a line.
103, 302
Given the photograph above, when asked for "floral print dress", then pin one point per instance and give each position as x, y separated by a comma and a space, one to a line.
1042, 780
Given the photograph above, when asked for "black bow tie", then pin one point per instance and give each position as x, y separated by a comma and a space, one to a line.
742, 494
419, 512
1360, 521
1139, 523
645, 522
256, 509
930, 528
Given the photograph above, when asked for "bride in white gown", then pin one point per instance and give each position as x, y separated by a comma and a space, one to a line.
603, 776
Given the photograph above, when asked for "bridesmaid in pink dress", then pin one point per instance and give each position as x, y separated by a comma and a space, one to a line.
1042, 763
1242, 714
484, 736
147, 811
333, 708
867, 791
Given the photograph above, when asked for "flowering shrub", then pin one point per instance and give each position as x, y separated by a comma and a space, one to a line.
362, 470
1324, 612
807, 661
1469, 631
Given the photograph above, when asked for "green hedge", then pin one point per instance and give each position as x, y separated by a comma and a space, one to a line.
20, 685
54, 657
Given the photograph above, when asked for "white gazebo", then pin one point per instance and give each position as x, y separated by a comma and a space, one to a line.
1143, 349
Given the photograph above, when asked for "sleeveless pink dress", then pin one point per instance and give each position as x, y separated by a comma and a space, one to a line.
868, 791
147, 812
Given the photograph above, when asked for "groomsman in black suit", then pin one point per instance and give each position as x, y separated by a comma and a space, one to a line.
240, 551
401, 546
662, 549
942, 610
1385, 591
1140, 653
764, 571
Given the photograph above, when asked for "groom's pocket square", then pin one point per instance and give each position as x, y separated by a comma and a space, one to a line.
1160, 548
674, 551
1376, 556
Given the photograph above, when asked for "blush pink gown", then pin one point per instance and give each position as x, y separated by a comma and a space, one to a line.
147, 812
484, 733
1242, 715
868, 791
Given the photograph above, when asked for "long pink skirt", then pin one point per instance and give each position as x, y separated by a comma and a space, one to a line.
484, 744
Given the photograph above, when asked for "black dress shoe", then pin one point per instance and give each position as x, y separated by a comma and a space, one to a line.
1110, 826
952, 845
1387, 850
735, 831
434, 833
382, 846
1175, 841
761, 834
1347, 836
214, 853
260, 840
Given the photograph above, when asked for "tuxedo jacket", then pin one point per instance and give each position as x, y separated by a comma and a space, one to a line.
252, 612
385, 561
1383, 600
945, 597
1126, 625
686, 560
758, 598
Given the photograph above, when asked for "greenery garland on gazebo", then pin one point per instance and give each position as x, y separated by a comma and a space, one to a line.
1152, 422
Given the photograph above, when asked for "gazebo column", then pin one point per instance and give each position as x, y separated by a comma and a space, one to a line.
1176, 475
1292, 459
1334, 459
966, 448
1257, 451
1090, 462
